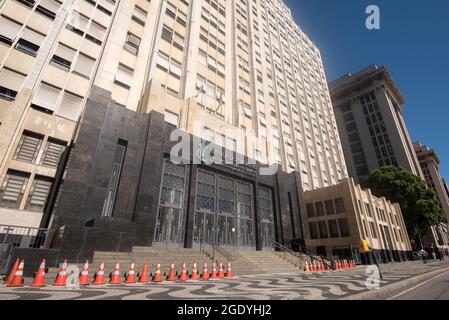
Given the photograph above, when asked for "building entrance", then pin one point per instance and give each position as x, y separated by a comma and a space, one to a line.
224, 212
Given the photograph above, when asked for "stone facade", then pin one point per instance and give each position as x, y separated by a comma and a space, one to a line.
339, 217
78, 208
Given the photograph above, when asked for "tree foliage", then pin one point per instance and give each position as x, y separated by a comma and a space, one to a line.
419, 204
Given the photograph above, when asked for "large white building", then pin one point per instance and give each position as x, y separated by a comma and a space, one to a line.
229, 64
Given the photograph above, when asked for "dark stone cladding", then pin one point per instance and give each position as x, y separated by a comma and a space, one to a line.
80, 196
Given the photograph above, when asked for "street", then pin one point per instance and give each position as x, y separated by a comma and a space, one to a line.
436, 288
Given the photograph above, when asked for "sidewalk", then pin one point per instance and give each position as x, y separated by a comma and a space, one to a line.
345, 284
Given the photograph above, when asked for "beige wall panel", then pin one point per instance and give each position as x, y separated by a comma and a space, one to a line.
15, 11
54, 76
20, 218
20, 62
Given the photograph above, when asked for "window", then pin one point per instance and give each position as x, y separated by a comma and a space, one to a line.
77, 23
63, 57
52, 153
8, 30
46, 97
48, 8
124, 76
373, 229
171, 118
28, 147
10, 83
333, 228
96, 33
139, 15
313, 230
38, 194
319, 209
167, 34
339, 206
30, 42
344, 228
84, 66
323, 229
132, 43
114, 181
71, 106
13, 188
330, 210
310, 210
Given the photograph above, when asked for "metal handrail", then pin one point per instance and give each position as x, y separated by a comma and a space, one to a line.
325, 260
307, 252
285, 250
216, 248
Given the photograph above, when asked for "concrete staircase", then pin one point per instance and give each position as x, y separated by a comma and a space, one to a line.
244, 262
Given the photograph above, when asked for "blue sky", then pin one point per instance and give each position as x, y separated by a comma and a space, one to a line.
413, 44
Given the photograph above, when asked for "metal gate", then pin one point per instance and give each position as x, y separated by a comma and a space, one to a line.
224, 212
170, 224
18, 237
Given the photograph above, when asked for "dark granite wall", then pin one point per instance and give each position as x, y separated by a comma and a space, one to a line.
81, 195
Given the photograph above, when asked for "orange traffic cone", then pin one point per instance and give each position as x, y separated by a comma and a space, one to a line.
306, 267
99, 276
84, 276
144, 274
194, 275
61, 278
220, 271
39, 279
12, 272
205, 274
157, 275
17, 279
183, 275
115, 278
171, 273
229, 270
131, 277
214, 275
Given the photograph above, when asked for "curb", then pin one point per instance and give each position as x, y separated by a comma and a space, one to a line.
390, 290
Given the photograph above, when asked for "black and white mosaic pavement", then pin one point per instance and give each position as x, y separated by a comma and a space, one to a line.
300, 286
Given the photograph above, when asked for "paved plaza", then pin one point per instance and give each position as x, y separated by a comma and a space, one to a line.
301, 286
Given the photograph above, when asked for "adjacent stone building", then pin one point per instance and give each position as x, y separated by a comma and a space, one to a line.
369, 111
430, 163
340, 216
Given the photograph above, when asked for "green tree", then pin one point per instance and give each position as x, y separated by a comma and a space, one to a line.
419, 204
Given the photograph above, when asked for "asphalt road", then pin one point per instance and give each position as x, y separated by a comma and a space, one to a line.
436, 288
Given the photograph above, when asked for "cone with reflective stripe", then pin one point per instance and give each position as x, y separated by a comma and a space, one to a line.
61, 278
99, 276
171, 273
229, 273
220, 271
115, 278
39, 279
84, 276
131, 276
157, 274
17, 279
213, 275
194, 275
205, 274
144, 274
306, 267
12, 272
183, 275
